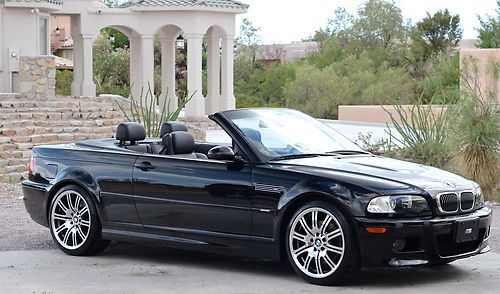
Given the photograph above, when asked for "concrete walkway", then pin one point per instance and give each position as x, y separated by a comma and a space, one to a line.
133, 269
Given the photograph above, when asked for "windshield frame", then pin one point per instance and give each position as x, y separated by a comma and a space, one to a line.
269, 159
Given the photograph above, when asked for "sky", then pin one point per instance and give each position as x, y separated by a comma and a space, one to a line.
284, 21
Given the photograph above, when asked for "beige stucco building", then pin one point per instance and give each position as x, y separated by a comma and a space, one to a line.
25, 25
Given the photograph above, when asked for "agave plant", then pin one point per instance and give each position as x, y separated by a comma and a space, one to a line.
422, 133
146, 111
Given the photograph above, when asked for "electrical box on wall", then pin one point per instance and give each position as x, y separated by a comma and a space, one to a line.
14, 59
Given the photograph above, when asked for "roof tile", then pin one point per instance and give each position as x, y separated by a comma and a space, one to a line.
208, 3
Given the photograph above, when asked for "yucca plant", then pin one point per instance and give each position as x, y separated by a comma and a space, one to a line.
477, 134
422, 133
146, 111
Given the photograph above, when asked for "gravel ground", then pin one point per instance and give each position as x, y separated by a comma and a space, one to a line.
18, 232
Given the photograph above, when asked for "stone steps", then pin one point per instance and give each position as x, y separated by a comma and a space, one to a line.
25, 123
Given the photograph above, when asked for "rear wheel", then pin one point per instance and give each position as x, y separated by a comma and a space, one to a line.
74, 223
319, 244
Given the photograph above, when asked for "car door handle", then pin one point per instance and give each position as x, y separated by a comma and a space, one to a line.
145, 166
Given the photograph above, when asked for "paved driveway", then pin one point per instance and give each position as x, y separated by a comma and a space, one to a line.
131, 269
29, 264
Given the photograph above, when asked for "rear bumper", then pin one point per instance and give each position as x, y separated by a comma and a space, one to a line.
426, 241
36, 201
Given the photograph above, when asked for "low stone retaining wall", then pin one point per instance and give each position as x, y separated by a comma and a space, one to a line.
376, 113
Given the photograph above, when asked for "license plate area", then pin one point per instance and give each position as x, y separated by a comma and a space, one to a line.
467, 230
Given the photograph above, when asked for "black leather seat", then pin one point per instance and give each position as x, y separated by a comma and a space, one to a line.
172, 126
181, 144
129, 134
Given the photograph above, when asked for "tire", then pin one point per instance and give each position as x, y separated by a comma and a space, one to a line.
327, 243
74, 223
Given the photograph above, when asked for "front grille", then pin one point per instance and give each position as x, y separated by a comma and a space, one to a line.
449, 202
466, 201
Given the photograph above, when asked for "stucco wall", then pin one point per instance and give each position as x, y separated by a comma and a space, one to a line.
375, 113
18, 29
488, 75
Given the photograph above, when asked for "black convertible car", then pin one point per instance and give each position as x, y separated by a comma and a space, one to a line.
288, 187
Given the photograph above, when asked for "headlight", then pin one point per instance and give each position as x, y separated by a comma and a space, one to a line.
399, 204
478, 194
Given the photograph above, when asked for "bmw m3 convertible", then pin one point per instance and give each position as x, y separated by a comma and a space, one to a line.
286, 187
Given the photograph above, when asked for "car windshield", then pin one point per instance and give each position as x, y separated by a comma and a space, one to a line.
284, 133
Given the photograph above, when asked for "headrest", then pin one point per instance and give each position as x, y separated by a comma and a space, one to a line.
182, 142
130, 131
172, 126
252, 134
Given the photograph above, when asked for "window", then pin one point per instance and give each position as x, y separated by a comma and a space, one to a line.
43, 35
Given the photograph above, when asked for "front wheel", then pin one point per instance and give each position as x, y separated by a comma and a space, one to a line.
74, 223
319, 243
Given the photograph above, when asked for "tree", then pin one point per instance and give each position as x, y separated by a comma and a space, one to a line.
247, 44
380, 29
117, 38
489, 32
436, 33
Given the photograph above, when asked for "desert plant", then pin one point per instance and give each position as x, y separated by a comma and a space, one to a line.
424, 135
147, 112
477, 135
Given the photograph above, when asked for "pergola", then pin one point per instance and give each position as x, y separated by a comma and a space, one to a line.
142, 20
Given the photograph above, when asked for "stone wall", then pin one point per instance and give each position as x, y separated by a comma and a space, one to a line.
38, 77
487, 64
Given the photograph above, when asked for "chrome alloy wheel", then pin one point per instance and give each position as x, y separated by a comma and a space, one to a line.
316, 242
70, 219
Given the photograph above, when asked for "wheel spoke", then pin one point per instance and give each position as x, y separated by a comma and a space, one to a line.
329, 261
66, 236
319, 270
60, 228
77, 204
306, 226
85, 223
61, 217
334, 249
80, 232
300, 237
333, 234
325, 224
302, 249
84, 210
73, 235
315, 219
307, 262
62, 205
70, 202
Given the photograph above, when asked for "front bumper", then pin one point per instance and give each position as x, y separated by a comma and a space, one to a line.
426, 241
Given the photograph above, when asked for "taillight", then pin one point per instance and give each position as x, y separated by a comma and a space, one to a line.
31, 168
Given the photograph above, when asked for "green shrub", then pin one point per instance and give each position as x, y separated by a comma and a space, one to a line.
64, 78
442, 84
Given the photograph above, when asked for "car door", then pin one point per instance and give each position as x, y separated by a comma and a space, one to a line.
192, 196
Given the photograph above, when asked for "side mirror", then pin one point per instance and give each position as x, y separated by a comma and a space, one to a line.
221, 153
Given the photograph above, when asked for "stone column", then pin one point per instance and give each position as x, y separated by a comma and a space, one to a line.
213, 79
147, 65
196, 106
135, 67
227, 100
88, 86
76, 85
168, 94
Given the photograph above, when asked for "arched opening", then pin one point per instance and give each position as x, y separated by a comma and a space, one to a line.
170, 66
112, 60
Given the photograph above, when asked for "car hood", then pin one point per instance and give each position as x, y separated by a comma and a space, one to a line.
428, 178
